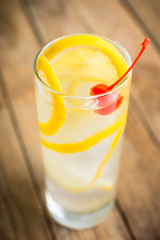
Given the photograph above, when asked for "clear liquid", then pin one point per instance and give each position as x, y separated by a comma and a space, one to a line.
69, 174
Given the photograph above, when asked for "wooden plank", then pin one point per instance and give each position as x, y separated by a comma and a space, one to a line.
140, 159
18, 201
113, 222
147, 14
6, 227
59, 16
22, 96
145, 208
138, 192
15, 64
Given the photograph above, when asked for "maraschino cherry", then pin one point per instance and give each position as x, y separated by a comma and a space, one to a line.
111, 102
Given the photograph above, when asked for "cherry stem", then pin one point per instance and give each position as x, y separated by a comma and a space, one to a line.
144, 45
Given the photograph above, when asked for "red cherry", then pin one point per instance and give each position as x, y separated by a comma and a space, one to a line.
98, 89
110, 102
113, 101
110, 108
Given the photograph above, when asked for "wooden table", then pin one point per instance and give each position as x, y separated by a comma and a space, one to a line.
25, 26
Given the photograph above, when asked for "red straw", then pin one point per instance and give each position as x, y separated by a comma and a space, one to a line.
144, 45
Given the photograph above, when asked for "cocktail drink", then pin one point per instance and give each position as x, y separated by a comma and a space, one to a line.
81, 125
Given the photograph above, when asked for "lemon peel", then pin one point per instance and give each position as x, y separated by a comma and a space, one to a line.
88, 40
88, 142
99, 169
58, 114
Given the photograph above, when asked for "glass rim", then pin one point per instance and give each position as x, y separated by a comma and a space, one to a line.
116, 44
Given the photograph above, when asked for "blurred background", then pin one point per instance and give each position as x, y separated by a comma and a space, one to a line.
27, 25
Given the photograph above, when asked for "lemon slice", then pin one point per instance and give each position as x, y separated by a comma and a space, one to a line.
84, 67
105, 48
85, 60
91, 41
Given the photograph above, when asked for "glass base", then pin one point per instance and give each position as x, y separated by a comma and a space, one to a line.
76, 221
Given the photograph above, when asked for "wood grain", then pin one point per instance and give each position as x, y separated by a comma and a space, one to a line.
106, 19
18, 77
17, 71
18, 201
111, 20
112, 228
147, 14
143, 205
137, 216
7, 230
138, 191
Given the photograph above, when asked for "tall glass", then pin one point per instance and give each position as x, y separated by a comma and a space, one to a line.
81, 159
